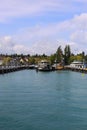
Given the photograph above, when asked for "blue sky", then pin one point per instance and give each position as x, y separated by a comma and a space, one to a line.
37, 26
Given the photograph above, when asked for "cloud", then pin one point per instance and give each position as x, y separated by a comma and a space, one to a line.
8, 46
5, 44
21, 49
46, 38
70, 31
80, 37
59, 30
11, 9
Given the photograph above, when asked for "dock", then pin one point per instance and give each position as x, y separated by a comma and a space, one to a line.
9, 69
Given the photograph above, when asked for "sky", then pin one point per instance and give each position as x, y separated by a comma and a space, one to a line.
40, 26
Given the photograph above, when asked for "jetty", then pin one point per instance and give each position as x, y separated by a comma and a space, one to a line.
9, 69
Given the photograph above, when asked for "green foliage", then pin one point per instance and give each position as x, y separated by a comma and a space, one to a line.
67, 54
59, 54
6, 60
76, 57
85, 57
31, 60
52, 58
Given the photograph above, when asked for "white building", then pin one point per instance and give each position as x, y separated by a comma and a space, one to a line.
78, 64
1, 61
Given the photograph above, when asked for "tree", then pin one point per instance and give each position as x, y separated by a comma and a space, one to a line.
59, 54
76, 57
6, 60
52, 58
32, 60
67, 54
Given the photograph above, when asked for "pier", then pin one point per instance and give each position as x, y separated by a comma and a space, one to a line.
9, 69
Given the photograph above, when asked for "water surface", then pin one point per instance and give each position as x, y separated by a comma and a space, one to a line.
43, 101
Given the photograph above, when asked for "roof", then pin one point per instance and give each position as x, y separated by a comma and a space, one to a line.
77, 62
44, 61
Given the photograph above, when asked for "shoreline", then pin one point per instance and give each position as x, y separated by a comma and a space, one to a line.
10, 69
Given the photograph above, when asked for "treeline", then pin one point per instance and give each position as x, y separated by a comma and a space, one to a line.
66, 56
63, 56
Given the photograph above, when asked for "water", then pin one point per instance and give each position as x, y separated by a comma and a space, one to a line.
43, 101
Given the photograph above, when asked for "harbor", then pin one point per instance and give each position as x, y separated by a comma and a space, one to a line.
9, 69
60, 60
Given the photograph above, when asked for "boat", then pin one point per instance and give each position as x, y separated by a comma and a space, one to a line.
44, 65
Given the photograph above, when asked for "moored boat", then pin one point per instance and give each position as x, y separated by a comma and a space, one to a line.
44, 65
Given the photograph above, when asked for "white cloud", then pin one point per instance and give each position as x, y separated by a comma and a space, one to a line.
80, 37
46, 38
58, 30
20, 8
73, 30
7, 45
21, 49
10, 9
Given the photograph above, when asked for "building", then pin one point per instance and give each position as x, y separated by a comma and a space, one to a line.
1, 61
78, 64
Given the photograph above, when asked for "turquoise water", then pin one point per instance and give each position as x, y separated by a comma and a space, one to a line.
43, 101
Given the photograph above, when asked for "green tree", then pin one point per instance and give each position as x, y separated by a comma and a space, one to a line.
67, 54
32, 60
59, 54
52, 58
75, 58
6, 60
